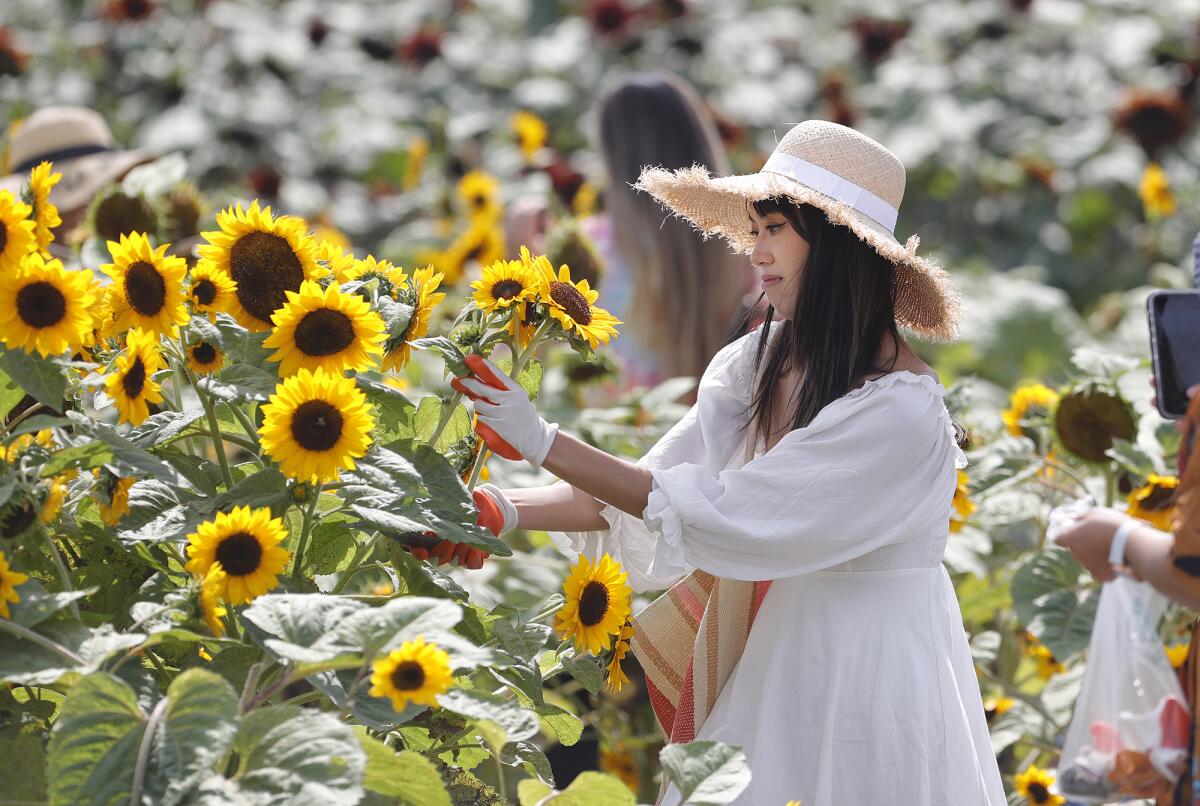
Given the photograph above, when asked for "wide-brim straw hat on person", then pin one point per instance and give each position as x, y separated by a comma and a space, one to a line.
857, 183
79, 143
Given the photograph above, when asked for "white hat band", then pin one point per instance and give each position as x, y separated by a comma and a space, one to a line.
833, 186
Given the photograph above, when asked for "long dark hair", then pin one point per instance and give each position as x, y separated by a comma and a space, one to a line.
844, 308
686, 296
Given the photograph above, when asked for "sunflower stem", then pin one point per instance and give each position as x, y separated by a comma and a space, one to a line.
63, 575
1110, 485
214, 429
447, 413
247, 426
305, 530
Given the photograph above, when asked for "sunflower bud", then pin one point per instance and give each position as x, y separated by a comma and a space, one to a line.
567, 244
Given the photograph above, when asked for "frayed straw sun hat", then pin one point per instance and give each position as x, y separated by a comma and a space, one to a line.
857, 183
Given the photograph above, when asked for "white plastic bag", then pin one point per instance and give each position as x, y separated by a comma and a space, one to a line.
1129, 734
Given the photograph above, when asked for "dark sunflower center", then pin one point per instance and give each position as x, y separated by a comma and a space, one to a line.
145, 289
479, 201
507, 289
204, 353
408, 676
135, 379
239, 554
205, 292
1038, 793
3, 236
119, 215
265, 267
41, 304
593, 604
316, 425
324, 332
17, 521
1160, 498
571, 300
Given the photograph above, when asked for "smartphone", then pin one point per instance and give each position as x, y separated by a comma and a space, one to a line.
1174, 316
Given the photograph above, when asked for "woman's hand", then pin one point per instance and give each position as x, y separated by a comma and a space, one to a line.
508, 421
1090, 539
496, 514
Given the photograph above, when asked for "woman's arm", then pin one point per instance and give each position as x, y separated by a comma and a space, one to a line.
623, 484
556, 508
1147, 553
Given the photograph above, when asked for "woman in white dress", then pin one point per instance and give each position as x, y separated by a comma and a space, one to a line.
799, 512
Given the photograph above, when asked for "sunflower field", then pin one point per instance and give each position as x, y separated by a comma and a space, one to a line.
242, 557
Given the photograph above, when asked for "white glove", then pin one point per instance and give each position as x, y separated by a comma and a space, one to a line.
506, 506
511, 414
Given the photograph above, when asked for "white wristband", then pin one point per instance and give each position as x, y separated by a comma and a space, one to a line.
1116, 551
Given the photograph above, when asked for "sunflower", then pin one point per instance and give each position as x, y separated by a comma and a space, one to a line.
131, 384
425, 283
115, 213
963, 505
1177, 654
210, 290
616, 678
530, 131
55, 495
1034, 784
480, 192
205, 358
9, 580
336, 262
620, 761
315, 424
482, 242
45, 214
1155, 501
1028, 403
1155, 192
573, 305
583, 203
330, 237
1048, 665
1088, 420
505, 283
213, 585
322, 328
597, 604
415, 673
44, 307
264, 255
16, 231
245, 542
997, 706
391, 279
418, 150
147, 289
116, 491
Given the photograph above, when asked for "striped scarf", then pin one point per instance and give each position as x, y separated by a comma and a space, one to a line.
688, 641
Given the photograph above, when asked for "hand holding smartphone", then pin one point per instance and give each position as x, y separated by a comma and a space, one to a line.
1174, 317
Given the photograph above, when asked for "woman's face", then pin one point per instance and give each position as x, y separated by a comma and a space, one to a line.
778, 256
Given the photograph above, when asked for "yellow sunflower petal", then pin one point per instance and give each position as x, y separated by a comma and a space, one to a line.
44, 307
245, 542
325, 329
131, 384
315, 425
415, 673
45, 215
147, 288
17, 237
265, 256
9, 580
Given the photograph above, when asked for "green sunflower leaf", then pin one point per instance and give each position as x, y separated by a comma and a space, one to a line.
40, 377
706, 772
407, 776
93, 748
1052, 604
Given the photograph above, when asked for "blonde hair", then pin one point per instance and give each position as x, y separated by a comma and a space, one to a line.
687, 293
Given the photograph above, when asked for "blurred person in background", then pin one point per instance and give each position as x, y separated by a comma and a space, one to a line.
681, 298
79, 144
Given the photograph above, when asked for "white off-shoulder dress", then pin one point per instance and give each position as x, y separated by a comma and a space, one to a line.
856, 685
